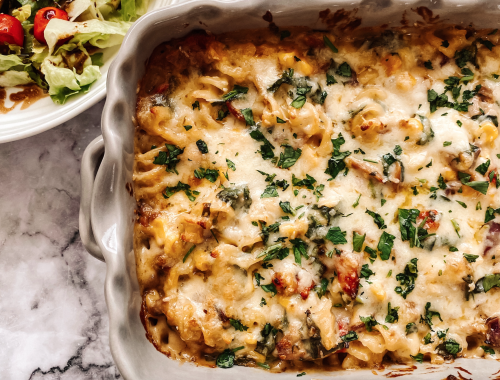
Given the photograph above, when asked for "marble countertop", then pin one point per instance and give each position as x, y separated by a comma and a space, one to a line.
53, 316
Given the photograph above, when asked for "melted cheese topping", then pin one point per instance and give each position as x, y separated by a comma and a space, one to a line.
300, 201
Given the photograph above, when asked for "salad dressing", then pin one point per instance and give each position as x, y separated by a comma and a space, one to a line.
29, 95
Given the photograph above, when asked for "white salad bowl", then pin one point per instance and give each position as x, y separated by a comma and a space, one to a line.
107, 203
45, 114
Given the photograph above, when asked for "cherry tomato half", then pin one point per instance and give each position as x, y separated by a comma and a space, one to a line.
42, 18
11, 31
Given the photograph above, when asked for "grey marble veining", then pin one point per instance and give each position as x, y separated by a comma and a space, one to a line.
53, 317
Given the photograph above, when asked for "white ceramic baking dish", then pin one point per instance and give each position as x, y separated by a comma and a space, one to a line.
107, 205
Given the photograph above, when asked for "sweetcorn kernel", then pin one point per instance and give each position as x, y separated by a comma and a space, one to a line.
405, 82
487, 132
449, 174
287, 59
378, 291
413, 125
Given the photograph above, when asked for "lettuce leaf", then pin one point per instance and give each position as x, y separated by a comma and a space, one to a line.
64, 82
9, 61
101, 34
133, 9
13, 78
23, 13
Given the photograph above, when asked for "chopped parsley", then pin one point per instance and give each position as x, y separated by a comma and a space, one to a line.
369, 322
321, 288
226, 358
385, 245
344, 70
490, 214
270, 191
231, 165
349, 337
379, 221
196, 104
411, 328
299, 250
481, 186
237, 324
266, 150
188, 253
271, 288
329, 43
483, 168
209, 174
287, 208
357, 241
407, 279
235, 93
202, 146
288, 157
429, 314
488, 350
445, 43
258, 278
280, 120
171, 190
418, 357
355, 204
447, 143
392, 314
286, 77
169, 158
248, 115
449, 347
188, 127
336, 164
336, 236
366, 272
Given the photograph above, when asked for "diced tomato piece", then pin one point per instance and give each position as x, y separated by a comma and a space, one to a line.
347, 270
42, 18
235, 112
432, 223
11, 31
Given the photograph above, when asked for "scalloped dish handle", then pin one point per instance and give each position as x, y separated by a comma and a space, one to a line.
91, 161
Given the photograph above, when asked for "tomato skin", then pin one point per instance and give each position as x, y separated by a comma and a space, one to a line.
11, 31
42, 18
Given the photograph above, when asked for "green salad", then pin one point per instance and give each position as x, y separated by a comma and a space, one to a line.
58, 45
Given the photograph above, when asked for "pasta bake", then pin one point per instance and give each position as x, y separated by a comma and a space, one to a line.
314, 199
